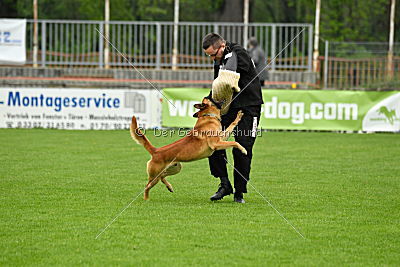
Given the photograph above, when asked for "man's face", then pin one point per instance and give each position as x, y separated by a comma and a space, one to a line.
215, 53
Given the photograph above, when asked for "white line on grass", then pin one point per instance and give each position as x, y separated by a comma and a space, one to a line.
108, 41
119, 214
280, 214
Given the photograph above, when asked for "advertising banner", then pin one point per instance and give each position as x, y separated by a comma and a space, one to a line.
12, 41
301, 109
179, 110
78, 109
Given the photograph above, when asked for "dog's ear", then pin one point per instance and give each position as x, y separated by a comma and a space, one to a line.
196, 115
199, 106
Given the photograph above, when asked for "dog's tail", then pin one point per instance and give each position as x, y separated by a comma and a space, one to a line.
140, 138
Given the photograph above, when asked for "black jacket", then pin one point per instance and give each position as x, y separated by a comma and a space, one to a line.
237, 59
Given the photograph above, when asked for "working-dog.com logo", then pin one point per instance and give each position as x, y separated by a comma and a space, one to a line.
389, 114
384, 116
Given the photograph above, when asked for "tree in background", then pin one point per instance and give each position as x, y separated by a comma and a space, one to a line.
290, 11
341, 20
16, 9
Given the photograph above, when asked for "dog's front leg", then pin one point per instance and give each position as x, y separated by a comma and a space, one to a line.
168, 185
228, 144
232, 126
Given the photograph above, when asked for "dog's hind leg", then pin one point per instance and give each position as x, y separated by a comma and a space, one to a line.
171, 170
169, 186
152, 182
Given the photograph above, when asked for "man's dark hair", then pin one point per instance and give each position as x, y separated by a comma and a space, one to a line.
212, 39
253, 41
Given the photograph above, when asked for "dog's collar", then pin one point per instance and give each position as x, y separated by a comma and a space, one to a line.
211, 115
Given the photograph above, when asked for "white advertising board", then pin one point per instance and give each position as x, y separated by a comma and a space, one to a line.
78, 109
12, 41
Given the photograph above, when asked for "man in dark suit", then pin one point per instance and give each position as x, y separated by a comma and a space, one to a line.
235, 77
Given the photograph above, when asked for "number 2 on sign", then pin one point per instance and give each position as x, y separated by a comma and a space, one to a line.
5, 37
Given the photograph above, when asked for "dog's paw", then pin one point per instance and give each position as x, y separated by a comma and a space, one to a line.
170, 189
242, 149
239, 116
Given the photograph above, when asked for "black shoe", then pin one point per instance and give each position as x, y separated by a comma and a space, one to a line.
238, 198
222, 191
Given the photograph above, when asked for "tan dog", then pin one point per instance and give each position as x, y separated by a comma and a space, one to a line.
206, 137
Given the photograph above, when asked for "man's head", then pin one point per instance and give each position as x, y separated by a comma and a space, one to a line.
253, 42
214, 46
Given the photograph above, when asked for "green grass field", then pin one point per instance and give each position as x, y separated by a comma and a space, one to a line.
59, 189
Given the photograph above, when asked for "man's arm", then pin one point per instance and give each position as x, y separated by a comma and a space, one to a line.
226, 82
228, 76
231, 63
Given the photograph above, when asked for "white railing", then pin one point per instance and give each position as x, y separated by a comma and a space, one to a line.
150, 44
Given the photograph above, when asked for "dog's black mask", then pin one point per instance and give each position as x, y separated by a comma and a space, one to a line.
217, 104
199, 106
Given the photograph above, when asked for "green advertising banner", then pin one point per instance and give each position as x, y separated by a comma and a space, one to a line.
301, 109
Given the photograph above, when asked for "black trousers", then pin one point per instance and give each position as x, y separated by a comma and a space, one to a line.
245, 134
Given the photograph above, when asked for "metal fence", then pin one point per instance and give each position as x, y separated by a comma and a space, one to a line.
356, 65
150, 44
